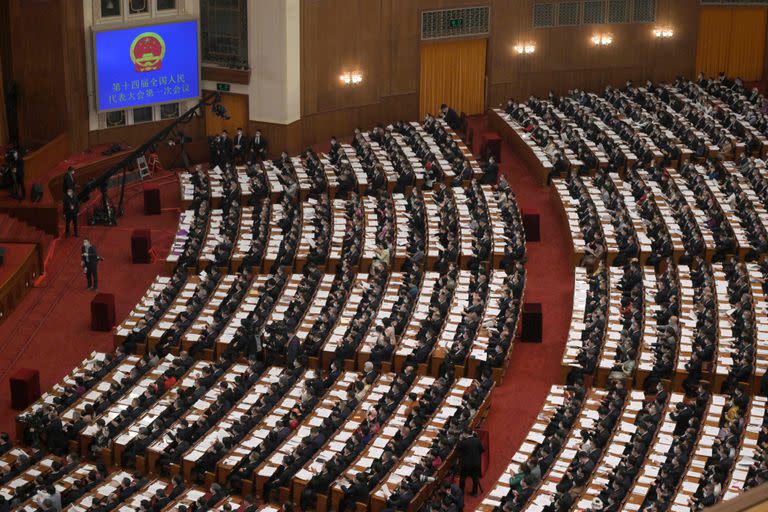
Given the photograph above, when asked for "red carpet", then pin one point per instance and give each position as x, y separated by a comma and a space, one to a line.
533, 367
50, 329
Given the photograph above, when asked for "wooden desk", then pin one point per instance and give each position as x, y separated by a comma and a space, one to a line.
571, 220
205, 317
335, 396
554, 400
386, 308
47, 399
246, 306
419, 449
256, 436
103, 490
587, 417
219, 431
344, 321
335, 443
23, 483
156, 411
492, 318
462, 299
574, 343
736, 484
140, 309
420, 312
364, 460
199, 409
665, 211
186, 220
125, 401
657, 454
179, 305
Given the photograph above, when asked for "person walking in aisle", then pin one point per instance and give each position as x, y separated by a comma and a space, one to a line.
470, 450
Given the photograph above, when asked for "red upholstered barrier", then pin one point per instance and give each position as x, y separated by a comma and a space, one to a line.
25, 388
531, 225
532, 323
151, 201
103, 312
141, 244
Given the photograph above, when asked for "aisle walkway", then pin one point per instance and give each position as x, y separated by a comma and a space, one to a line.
50, 329
533, 367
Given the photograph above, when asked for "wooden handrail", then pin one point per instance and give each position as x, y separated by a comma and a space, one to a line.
753, 500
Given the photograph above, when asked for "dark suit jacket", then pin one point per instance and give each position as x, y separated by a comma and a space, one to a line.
92, 259
70, 206
469, 451
292, 351
69, 182
241, 140
452, 118
261, 144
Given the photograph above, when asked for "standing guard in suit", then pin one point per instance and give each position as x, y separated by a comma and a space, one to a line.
258, 147
225, 148
69, 179
90, 260
71, 209
240, 143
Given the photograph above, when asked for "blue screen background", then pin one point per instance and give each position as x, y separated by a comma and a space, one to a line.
119, 85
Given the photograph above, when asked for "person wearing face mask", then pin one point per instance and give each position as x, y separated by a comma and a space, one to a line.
259, 146
224, 148
239, 144
90, 260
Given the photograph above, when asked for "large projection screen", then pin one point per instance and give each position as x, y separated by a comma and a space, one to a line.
146, 65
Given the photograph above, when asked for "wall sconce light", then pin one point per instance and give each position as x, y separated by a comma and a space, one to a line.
525, 49
602, 39
663, 33
353, 78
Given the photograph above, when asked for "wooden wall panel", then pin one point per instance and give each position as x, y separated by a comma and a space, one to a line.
338, 33
236, 106
38, 163
340, 36
38, 69
75, 76
318, 128
280, 137
565, 57
46, 53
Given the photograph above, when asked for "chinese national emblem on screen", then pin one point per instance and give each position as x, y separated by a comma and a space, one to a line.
147, 52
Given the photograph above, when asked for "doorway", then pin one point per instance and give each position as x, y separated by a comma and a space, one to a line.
453, 72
